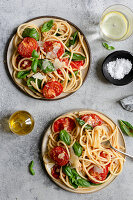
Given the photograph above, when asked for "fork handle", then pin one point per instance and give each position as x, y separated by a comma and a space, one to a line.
126, 154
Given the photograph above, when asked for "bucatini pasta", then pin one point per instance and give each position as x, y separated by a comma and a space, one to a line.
75, 152
58, 60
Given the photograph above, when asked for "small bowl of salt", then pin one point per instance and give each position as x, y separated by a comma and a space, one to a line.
117, 68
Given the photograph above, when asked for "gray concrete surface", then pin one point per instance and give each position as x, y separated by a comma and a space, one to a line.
16, 152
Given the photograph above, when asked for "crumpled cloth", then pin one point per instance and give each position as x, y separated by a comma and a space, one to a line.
127, 103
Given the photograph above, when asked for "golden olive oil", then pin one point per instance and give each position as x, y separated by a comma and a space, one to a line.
21, 122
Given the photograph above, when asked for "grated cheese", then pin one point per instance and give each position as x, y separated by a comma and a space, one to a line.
58, 64
39, 76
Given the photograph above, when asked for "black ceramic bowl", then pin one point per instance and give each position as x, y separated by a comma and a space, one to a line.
112, 57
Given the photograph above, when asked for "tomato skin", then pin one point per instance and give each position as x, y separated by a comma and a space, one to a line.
59, 155
54, 171
52, 89
66, 60
76, 64
49, 46
26, 47
19, 57
64, 123
99, 176
92, 119
25, 64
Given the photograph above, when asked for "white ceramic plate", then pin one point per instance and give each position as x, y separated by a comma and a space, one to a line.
38, 22
59, 182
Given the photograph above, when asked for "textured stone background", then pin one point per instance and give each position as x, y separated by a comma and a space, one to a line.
16, 152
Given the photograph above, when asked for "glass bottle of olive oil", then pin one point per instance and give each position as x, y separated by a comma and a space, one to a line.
21, 122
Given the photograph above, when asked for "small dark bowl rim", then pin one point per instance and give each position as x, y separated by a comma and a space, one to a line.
123, 51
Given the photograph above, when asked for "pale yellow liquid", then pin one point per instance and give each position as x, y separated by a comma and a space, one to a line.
114, 25
21, 123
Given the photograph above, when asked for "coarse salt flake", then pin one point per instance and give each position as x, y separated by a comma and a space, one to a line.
119, 68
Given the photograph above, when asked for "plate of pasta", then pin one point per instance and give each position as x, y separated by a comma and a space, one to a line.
73, 154
48, 58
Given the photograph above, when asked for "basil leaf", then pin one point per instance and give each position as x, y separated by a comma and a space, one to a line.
57, 34
35, 54
39, 82
77, 149
33, 79
75, 57
83, 182
126, 129
34, 65
72, 42
72, 182
29, 84
128, 124
107, 46
39, 64
30, 32
65, 137
82, 122
75, 72
29, 80
74, 178
67, 170
22, 74
47, 26
45, 65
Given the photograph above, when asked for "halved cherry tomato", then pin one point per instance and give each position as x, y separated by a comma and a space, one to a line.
55, 47
76, 64
64, 123
66, 60
98, 173
59, 155
26, 47
92, 119
52, 89
25, 64
55, 171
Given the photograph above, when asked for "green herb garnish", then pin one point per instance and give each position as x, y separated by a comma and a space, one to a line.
105, 45
77, 149
22, 74
126, 127
31, 165
47, 26
30, 32
65, 137
75, 57
74, 178
82, 122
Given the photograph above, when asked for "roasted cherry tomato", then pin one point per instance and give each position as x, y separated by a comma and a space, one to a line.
64, 123
92, 119
55, 48
76, 64
59, 155
18, 59
66, 60
25, 64
26, 47
52, 89
55, 171
98, 173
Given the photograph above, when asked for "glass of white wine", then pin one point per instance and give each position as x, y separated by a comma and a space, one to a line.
116, 23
